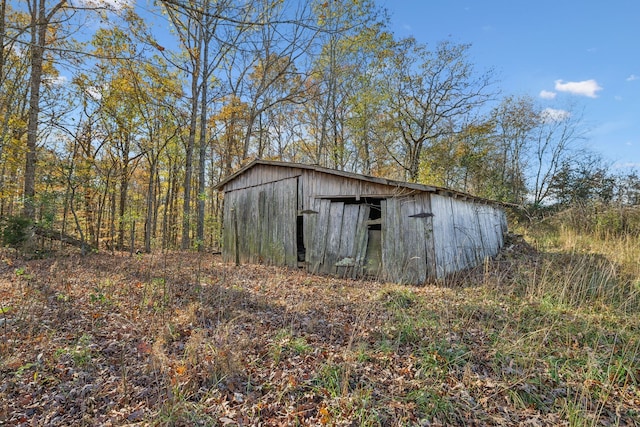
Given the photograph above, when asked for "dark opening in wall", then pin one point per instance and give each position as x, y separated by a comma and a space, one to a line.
302, 252
375, 214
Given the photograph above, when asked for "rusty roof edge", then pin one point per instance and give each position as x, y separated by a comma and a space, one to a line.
353, 175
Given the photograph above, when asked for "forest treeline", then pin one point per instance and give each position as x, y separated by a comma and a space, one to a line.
118, 119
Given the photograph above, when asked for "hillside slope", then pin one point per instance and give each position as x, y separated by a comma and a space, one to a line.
181, 339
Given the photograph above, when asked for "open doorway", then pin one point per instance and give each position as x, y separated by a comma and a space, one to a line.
302, 251
373, 254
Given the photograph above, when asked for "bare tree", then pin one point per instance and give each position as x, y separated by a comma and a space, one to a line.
515, 120
200, 24
41, 15
431, 91
555, 140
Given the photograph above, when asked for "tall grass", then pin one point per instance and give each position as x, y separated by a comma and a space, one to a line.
547, 334
589, 256
577, 317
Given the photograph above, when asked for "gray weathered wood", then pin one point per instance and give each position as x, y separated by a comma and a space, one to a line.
361, 240
319, 240
424, 231
334, 231
414, 258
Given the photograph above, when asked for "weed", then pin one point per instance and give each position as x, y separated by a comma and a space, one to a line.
434, 406
284, 342
82, 354
98, 296
398, 299
15, 231
332, 380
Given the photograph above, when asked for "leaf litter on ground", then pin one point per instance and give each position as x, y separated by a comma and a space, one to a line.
183, 339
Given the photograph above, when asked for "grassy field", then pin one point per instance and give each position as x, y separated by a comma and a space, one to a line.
547, 334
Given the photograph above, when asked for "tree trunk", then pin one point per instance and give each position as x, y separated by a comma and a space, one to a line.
38, 33
101, 208
168, 205
3, 11
124, 186
203, 150
148, 223
39, 24
112, 222
188, 172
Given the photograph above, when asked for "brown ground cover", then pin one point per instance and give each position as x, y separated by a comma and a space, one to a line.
183, 339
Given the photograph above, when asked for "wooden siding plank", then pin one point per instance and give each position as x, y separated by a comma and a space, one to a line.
361, 240
250, 220
428, 236
348, 234
299, 194
466, 234
347, 252
487, 230
334, 231
319, 240
262, 224
413, 259
309, 224
391, 260
289, 217
278, 218
386, 231
443, 235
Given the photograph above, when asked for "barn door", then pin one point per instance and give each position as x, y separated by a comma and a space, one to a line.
406, 240
339, 244
371, 239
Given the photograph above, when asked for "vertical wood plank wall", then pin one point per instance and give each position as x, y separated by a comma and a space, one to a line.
264, 218
262, 204
407, 240
465, 233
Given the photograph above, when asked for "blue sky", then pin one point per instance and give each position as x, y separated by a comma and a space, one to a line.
563, 53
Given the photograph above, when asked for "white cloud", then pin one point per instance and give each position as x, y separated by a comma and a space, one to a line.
632, 77
554, 115
55, 80
585, 88
617, 98
112, 4
626, 165
94, 92
547, 94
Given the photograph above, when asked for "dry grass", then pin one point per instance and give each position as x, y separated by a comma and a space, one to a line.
181, 339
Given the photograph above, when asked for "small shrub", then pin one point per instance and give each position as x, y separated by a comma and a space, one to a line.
15, 231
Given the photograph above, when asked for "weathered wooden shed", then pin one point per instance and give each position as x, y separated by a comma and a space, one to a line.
346, 224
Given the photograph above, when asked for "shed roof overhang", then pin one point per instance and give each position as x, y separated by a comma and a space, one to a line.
351, 175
